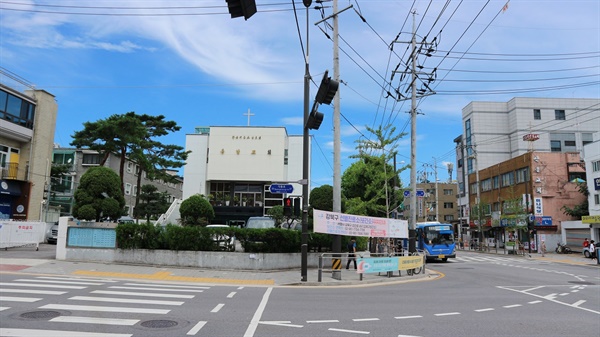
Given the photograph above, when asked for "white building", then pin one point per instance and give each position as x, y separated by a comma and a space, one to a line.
493, 132
235, 167
592, 164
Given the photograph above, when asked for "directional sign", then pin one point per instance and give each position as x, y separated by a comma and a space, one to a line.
420, 193
281, 188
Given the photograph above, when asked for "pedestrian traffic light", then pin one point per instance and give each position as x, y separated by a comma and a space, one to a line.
327, 89
287, 206
531, 222
297, 207
245, 8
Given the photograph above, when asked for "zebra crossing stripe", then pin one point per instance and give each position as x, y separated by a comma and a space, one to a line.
94, 320
104, 309
38, 332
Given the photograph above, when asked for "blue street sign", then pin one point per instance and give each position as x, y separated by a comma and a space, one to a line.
420, 193
281, 188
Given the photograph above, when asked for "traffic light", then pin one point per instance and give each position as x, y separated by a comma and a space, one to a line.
314, 120
530, 222
297, 207
327, 89
245, 8
287, 206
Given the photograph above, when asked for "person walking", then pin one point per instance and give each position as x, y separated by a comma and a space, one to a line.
543, 248
351, 252
592, 247
586, 243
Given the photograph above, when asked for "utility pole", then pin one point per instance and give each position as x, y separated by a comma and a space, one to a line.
478, 199
437, 210
337, 176
305, 167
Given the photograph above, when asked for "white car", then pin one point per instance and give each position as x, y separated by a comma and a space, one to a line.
223, 241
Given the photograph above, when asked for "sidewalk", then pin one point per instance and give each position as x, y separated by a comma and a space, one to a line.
10, 263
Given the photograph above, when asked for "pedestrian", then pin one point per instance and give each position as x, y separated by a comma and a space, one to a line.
351, 252
586, 243
543, 248
380, 247
592, 247
460, 243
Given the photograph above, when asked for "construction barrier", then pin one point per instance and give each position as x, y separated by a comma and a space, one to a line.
21, 234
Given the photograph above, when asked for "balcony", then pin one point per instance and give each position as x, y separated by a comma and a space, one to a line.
9, 171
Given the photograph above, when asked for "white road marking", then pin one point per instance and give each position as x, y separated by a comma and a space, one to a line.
364, 319
534, 288
37, 333
483, 310
4, 308
158, 289
350, 331
323, 321
196, 328
512, 306
60, 282
130, 293
124, 300
165, 286
258, 313
75, 279
94, 320
104, 309
33, 291
282, 323
549, 298
447, 314
534, 302
231, 294
406, 317
240, 288
563, 294
407, 336
19, 299
218, 307
40, 285
578, 303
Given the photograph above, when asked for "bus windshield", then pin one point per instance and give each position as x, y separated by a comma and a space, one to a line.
438, 235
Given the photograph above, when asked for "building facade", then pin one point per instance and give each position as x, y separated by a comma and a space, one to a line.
496, 132
80, 160
592, 164
236, 166
27, 124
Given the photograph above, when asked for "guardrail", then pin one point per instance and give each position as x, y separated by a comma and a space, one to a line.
376, 263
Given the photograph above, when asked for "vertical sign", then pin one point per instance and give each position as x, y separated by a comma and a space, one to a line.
538, 207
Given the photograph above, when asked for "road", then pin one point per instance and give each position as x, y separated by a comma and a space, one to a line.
477, 295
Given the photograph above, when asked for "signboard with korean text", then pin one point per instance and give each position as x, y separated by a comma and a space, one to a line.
356, 225
538, 208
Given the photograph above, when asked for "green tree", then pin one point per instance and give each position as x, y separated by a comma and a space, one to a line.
196, 210
321, 198
582, 209
276, 212
152, 203
99, 195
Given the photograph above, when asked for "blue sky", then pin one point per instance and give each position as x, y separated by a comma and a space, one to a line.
191, 62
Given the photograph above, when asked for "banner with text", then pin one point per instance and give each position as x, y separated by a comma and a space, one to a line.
356, 225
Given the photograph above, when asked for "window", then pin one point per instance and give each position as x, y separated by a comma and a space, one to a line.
596, 166
449, 217
129, 167
537, 114
555, 146
597, 199
486, 185
522, 175
559, 115
569, 143
508, 179
586, 138
448, 205
127, 188
135, 190
473, 188
448, 192
496, 182
91, 159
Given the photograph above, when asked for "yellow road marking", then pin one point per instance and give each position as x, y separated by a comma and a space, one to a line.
167, 276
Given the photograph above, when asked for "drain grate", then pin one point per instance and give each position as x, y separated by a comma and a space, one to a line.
159, 323
40, 314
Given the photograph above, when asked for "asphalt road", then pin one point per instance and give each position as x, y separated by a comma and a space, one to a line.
478, 295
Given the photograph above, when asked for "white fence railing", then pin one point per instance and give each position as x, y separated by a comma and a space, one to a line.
21, 234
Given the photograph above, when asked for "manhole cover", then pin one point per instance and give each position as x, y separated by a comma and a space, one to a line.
40, 314
158, 323
583, 283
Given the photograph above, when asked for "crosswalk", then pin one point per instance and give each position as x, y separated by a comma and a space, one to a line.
93, 303
491, 259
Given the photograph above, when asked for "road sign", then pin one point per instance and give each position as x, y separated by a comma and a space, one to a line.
420, 193
281, 188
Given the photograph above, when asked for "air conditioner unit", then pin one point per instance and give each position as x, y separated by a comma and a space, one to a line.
537, 169
538, 180
536, 159
538, 190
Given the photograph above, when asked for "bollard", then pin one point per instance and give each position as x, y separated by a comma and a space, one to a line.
320, 272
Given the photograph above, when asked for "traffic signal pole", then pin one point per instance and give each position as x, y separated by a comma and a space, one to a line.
305, 150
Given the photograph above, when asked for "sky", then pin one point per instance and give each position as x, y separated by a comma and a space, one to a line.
191, 62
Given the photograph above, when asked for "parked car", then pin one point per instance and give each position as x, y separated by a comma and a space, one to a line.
52, 234
223, 241
586, 251
260, 222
